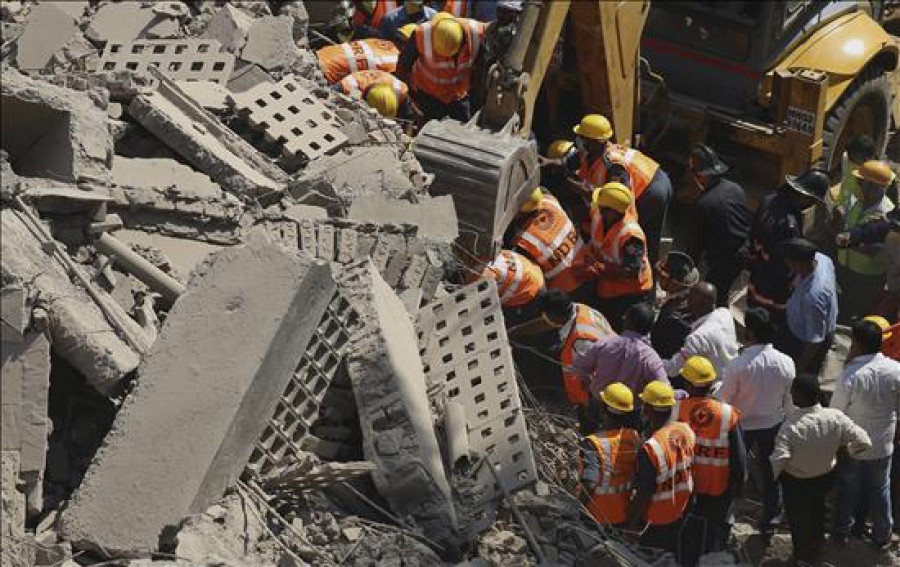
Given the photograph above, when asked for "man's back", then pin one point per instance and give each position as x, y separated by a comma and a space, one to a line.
724, 221
758, 384
625, 358
812, 307
868, 391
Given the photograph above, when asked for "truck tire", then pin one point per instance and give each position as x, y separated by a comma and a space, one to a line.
864, 108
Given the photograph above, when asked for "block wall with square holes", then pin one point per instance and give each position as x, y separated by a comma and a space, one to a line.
290, 115
465, 349
178, 59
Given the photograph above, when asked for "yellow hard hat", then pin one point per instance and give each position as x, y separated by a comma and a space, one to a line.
658, 394
448, 37
383, 99
618, 397
882, 323
441, 16
559, 148
874, 171
407, 31
699, 371
533, 201
594, 127
613, 195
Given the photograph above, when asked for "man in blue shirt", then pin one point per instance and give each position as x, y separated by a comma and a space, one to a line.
812, 307
411, 12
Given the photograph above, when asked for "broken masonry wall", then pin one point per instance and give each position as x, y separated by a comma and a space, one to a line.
204, 395
394, 411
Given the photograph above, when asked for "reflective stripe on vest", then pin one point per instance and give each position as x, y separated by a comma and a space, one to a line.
712, 455
855, 260
446, 78
458, 8
546, 248
519, 280
338, 61
608, 248
641, 168
617, 463
358, 83
674, 480
585, 325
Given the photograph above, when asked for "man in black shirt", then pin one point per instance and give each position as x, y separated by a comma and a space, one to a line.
722, 221
677, 275
779, 219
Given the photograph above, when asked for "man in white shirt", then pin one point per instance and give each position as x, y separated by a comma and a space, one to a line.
758, 384
868, 391
712, 334
803, 458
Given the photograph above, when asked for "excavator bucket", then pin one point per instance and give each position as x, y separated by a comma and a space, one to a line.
489, 174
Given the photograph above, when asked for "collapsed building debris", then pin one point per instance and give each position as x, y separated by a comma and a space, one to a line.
205, 414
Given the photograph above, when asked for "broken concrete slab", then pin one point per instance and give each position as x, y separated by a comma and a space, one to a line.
205, 394
119, 22
354, 172
208, 94
178, 59
53, 132
230, 26
270, 42
24, 393
246, 76
288, 114
435, 218
162, 173
394, 411
78, 328
204, 141
50, 25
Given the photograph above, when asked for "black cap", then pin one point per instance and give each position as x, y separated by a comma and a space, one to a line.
893, 217
680, 267
707, 162
814, 183
799, 249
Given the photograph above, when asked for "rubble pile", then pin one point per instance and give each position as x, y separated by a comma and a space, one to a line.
228, 332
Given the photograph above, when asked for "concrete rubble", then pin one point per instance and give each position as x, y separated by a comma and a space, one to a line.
228, 329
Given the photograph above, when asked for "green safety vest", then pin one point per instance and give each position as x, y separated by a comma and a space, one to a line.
853, 259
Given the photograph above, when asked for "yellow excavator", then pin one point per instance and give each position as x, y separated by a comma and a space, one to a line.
786, 84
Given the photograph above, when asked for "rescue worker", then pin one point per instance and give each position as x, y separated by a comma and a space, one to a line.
382, 91
499, 35
519, 283
677, 277
861, 271
578, 327
544, 233
890, 336
778, 219
860, 150
720, 458
437, 62
338, 61
367, 17
600, 161
664, 481
411, 12
618, 252
608, 457
555, 176
884, 231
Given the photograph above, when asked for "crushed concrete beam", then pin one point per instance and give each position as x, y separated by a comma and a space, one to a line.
270, 42
49, 27
465, 349
204, 141
205, 393
24, 393
53, 132
78, 329
394, 412
178, 59
435, 218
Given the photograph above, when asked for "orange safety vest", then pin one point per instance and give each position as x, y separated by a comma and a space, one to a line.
357, 84
891, 347
551, 240
711, 420
671, 450
607, 248
586, 325
446, 78
338, 61
617, 455
459, 8
641, 168
382, 8
519, 280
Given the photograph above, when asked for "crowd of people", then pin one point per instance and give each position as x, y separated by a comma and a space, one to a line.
670, 405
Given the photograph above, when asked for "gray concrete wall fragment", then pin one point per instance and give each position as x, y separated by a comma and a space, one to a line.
270, 43
205, 393
435, 218
50, 25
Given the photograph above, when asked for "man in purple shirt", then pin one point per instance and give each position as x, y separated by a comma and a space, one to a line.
626, 358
